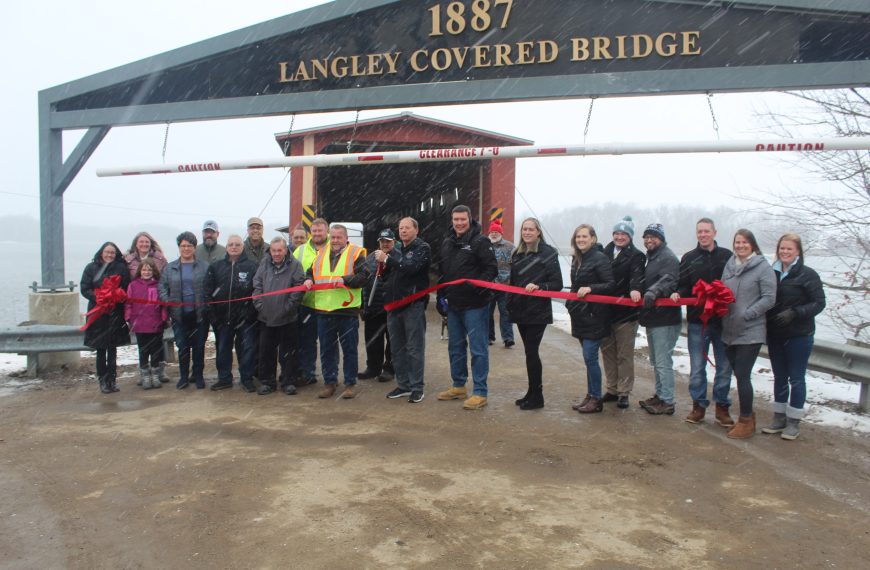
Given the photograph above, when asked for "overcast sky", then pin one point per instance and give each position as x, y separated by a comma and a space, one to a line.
50, 42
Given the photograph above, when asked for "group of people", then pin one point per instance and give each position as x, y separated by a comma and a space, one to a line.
238, 291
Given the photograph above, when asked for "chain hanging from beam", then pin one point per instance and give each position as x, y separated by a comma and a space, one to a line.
165, 141
713, 115
353, 133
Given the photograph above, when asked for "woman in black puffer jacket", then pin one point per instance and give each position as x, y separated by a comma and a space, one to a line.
109, 331
791, 327
535, 267
591, 273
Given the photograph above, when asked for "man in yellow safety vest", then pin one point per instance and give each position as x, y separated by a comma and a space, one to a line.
342, 264
305, 254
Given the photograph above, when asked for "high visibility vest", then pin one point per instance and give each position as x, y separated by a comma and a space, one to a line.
306, 256
335, 299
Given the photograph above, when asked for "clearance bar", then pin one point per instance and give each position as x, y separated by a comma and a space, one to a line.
494, 152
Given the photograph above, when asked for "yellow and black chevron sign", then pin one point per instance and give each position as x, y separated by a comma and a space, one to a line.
308, 216
496, 214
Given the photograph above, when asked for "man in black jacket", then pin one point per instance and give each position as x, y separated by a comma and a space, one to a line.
617, 350
706, 261
379, 361
408, 267
467, 254
227, 279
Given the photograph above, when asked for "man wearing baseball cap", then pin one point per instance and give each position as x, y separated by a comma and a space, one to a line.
255, 247
378, 359
210, 250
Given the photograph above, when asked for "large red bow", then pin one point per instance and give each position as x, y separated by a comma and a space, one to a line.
714, 297
108, 295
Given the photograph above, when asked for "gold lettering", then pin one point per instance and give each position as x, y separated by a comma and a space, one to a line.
318, 66
690, 41
524, 53
354, 67
392, 59
374, 67
599, 48
302, 72
415, 65
282, 66
459, 54
442, 54
548, 51
580, 49
338, 67
502, 55
620, 46
481, 56
638, 52
666, 50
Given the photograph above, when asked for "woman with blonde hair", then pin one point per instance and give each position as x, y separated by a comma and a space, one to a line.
144, 246
534, 267
591, 273
791, 327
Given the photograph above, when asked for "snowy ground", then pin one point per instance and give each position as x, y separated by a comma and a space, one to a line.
826, 394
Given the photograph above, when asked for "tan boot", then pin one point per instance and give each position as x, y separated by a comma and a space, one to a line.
474, 403
348, 393
744, 428
723, 418
697, 414
327, 392
453, 393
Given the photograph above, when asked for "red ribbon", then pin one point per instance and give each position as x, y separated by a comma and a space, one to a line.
108, 295
715, 297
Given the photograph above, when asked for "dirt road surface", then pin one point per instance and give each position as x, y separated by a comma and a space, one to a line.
201, 479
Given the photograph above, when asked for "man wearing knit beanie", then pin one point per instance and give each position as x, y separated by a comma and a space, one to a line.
617, 349
661, 278
502, 249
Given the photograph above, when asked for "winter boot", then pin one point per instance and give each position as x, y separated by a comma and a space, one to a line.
723, 418
793, 418
144, 378
777, 425
104, 384
744, 428
696, 416
534, 400
159, 372
792, 429
155, 381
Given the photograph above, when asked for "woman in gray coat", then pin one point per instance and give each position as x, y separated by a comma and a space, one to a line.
753, 282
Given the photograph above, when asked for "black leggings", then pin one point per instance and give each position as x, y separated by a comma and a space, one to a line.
106, 361
150, 349
742, 358
532, 336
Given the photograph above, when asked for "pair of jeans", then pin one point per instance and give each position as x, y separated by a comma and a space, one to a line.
532, 336
190, 336
742, 358
237, 343
307, 325
593, 367
699, 341
661, 342
378, 345
279, 346
789, 358
499, 299
243, 337
617, 352
469, 329
408, 339
150, 349
332, 331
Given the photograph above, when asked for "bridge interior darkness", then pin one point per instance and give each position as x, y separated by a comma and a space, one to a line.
379, 196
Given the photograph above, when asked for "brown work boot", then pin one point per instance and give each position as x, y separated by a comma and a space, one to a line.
723, 418
580, 403
474, 403
591, 406
696, 416
660, 408
453, 393
327, 392
348, 393
649, 402
744, 428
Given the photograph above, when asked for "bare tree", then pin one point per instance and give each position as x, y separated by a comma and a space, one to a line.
835, 216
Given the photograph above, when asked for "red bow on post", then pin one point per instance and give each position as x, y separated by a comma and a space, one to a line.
108, 295
714, 297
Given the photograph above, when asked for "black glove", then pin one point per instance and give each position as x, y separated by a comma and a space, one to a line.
649, 300
784, 318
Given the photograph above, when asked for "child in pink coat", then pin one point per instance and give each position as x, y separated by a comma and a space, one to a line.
148, 322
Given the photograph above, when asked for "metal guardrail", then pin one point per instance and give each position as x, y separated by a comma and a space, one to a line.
32, 340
